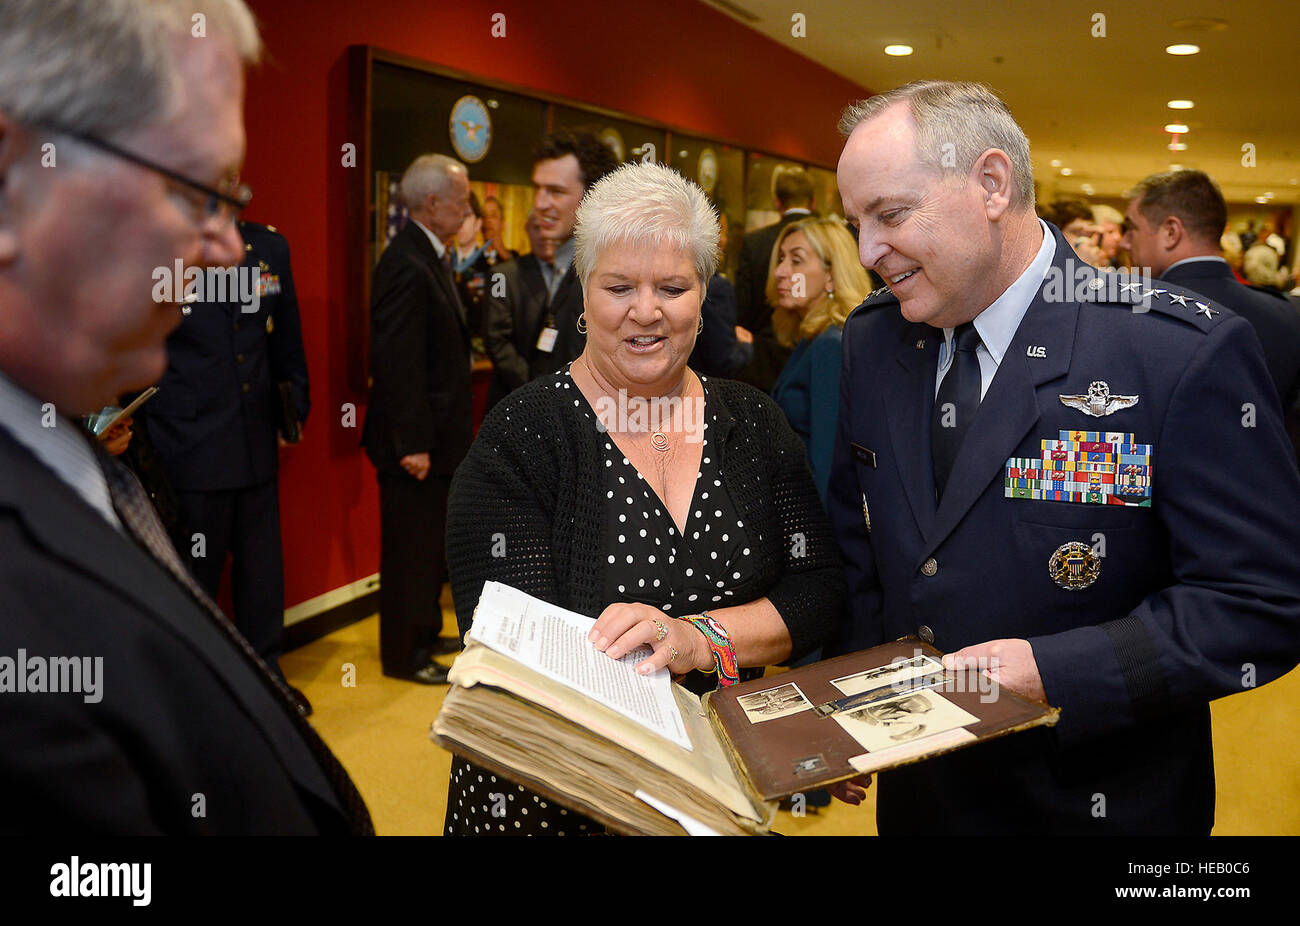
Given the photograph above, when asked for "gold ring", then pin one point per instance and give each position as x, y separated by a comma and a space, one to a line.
663, 631
672, 653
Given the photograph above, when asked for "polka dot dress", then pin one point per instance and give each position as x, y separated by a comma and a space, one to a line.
482, 804
651, 562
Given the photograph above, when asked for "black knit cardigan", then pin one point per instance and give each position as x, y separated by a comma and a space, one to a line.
527, 507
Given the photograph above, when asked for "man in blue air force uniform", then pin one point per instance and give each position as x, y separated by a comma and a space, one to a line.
215, 422
1081, 475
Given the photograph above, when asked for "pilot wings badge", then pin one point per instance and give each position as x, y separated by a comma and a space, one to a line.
1099, 402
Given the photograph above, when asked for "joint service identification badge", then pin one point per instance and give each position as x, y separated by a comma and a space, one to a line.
1074, 565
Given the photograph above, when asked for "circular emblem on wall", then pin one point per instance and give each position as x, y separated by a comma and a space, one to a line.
707, 172
471, 129
1074, 566
614, 140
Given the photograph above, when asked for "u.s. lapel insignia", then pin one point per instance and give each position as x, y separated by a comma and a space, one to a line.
1074, 566
1098, 402
866, 515
1180, 299
1203, 309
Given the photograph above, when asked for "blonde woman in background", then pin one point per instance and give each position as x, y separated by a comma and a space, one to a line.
815, 281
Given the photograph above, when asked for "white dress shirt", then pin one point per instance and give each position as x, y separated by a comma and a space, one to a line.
998, 323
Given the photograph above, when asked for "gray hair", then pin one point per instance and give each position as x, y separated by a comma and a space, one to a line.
429, 174
646, 205
103, 67
956, 122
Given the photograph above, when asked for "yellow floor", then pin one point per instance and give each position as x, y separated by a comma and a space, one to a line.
379, 728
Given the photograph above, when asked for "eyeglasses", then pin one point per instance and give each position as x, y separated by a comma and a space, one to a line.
211, 203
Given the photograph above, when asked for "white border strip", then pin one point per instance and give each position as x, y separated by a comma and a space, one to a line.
331, 599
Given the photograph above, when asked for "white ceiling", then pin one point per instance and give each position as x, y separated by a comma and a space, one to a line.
1098, 104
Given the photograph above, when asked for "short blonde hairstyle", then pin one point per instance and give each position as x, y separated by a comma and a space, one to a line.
1103, 213
646, 205
834, 245
1260, 267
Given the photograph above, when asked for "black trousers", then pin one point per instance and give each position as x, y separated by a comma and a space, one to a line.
243, 524
412, 568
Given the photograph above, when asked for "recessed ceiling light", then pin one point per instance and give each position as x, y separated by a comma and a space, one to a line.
898, 51
1262, 200
1180, 104
1268, 195
1175, 167
1183, 49
1056, 162
1176, 128
1178, 146
1088, 188
1066, 171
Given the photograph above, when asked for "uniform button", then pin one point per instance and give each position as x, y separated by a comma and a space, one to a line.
930, 567
239, 358
246, 387
925, 633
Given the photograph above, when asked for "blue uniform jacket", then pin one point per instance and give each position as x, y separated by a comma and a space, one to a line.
1198, 595
214, 420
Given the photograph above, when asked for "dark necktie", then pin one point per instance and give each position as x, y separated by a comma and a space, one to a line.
956, 403
138, 516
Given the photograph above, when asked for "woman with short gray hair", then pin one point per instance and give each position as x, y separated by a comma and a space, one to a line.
674, 509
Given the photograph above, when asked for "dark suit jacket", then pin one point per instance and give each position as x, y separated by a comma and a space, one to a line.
717, 350
515, 310
1273, 317
420, 394
214, 420
183, 712
1190, 589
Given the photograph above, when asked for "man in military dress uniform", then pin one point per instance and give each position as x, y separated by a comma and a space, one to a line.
215, 423
1079, 478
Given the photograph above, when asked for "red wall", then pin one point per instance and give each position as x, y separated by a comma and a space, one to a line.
675, 61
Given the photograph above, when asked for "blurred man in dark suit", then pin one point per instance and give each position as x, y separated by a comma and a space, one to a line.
420, 420
793, 193
215, 424
121, 140
1173, 226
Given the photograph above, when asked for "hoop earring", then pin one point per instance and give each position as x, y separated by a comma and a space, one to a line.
582, 323
700, 328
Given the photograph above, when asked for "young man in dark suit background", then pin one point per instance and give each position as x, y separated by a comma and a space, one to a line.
420, 419
534, 326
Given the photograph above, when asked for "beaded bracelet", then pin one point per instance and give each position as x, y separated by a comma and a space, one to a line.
724, 654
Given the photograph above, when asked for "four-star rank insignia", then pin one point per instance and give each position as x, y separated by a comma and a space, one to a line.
1099, 402
1074, 566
